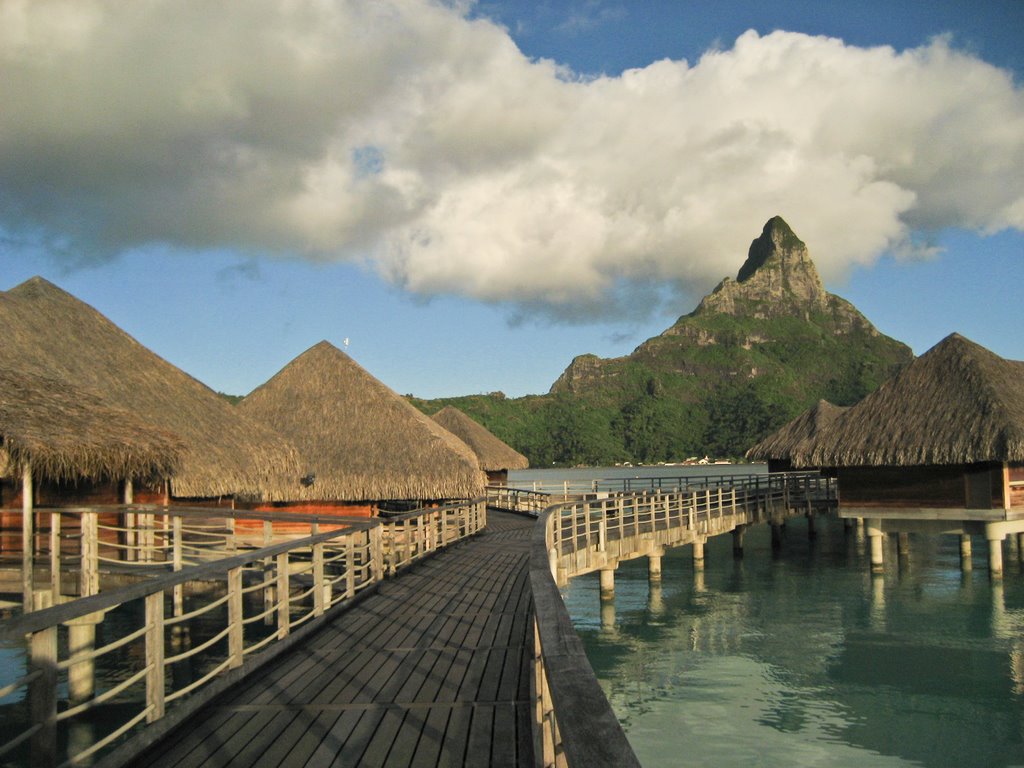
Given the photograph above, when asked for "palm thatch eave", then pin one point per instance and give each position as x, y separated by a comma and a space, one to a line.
65, 433
358, 438
958, 403
50, 333
795, 437
493, 454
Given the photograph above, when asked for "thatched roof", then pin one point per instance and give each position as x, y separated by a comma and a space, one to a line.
795, 437
958, 403
66, 433
50, 333
493, 454
361, 440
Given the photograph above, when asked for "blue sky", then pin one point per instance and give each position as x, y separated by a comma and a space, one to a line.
506, 197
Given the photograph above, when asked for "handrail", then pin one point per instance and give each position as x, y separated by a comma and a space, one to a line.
517, 499
573, 488
255, 604
573, 722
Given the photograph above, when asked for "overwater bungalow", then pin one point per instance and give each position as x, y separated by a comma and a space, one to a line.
364, 448
222, 456
946, 432
66, 444
495, 456
794, 438
939, 447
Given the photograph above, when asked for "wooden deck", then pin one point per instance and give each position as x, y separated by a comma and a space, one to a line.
432, 670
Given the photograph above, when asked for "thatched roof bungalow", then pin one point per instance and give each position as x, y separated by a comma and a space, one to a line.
495, 456
794, 438
361, 443
71, 448
69, 438
50, 334
946, 432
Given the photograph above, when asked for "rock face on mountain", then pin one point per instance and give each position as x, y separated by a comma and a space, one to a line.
776, 312
779, 279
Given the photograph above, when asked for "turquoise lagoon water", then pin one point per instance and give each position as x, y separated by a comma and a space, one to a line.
803, 658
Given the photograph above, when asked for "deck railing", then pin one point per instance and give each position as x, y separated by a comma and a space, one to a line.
170, 642
519, 500
573, 722
574, 488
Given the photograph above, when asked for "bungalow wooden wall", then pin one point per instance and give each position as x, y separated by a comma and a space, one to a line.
78, 493
933, 486
497, 477
325, 508
1016, 475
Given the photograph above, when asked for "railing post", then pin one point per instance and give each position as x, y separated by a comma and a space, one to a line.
55, 585
154, 656
283, 593
27, 538
268, 571
236, 631
178, 558
131, 534
376, 554
90, 565
409, 532
42, 691
389, 554
350, 566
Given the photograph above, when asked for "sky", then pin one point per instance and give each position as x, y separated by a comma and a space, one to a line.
465, 196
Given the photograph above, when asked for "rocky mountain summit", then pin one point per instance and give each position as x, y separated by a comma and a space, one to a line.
779, 279
776, 298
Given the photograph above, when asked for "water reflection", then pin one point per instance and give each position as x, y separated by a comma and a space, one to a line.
808, 659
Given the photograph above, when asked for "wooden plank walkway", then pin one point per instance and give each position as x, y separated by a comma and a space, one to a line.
432, 670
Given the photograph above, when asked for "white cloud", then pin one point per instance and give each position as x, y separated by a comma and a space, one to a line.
404, 133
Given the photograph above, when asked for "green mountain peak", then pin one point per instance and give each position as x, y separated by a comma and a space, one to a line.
757, 351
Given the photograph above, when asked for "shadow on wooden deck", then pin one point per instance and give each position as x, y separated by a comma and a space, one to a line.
432, 670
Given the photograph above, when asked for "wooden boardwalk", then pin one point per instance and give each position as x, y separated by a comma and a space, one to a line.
432, 670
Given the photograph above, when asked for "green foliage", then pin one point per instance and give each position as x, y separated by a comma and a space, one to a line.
715, 384
737, 418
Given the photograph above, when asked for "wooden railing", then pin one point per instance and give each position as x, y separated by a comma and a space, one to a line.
573, 488
519, 500
573, 722
172, 641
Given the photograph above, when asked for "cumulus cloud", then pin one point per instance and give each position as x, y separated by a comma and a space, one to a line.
408, 135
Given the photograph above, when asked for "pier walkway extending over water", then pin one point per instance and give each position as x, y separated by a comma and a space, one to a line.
289, 649
431, 670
